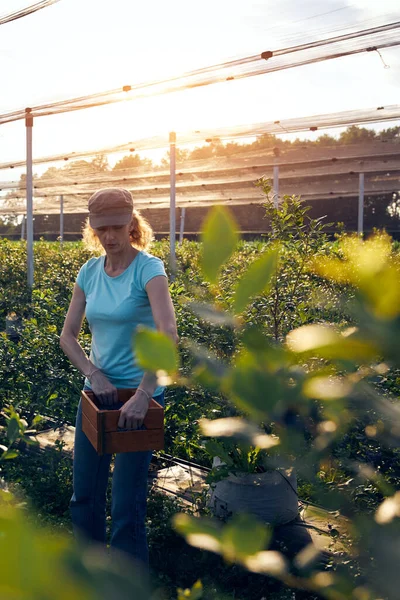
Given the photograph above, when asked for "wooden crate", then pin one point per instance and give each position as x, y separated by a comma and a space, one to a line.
100, 425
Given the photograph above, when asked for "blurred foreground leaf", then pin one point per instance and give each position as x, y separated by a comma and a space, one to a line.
369, 267
252, 387
38, 565
219, 240
256, 280
388, 510
195, 593
326, 342
242, 537
239, 428
327, 387
155, 351
209, 313
202, 533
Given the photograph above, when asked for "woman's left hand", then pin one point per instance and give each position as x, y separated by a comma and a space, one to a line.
134, 411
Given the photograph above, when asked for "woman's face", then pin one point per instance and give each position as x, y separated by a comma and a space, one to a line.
113, 238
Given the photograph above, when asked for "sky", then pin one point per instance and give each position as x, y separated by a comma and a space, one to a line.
78, 47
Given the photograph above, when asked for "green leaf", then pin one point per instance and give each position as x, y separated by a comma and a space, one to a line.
155, 351
6, 497
12, 430
268, 562
194, 593
253, 388
211, 314
203, 358
243, 537
9, 454
263, 350
327, 387
202, 533
215, 449
236, 427
219, 239
186, 524
256, 280
36, 562
37, 420
324, 341
31, 441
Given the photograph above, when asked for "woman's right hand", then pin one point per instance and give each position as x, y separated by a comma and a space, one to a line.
104, 391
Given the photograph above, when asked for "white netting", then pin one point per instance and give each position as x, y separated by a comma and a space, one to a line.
267, 61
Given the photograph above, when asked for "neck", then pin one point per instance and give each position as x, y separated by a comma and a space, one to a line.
121, 260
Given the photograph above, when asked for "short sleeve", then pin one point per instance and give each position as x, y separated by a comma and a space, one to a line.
152, 268
81, 277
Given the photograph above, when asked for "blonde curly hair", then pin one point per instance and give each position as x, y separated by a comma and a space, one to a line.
140, 232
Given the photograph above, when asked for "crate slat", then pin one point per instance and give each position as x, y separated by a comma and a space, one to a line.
133, 441
101, 426
90, 431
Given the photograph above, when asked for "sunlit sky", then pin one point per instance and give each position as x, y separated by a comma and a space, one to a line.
78, 47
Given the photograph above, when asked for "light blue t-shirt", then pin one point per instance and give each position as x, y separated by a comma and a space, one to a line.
115, 306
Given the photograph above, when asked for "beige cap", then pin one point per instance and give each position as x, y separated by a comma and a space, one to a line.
110, 206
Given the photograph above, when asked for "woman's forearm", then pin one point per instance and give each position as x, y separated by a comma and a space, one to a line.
72, 348
149, 383
169, 328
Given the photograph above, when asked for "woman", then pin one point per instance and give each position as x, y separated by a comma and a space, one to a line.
123, 288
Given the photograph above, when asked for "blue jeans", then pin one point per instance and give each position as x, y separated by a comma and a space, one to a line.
129, 495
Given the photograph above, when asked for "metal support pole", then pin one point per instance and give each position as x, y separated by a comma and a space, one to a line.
29, 195
23, 227
360, 228
182, 227
275, 188
172, 223
61, 220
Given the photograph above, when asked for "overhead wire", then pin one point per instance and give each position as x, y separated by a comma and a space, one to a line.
78, 204
378, 36
320, 32
23, 12
294, 125
227, 181
324, 14
368, 40
340, 38
211, 171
